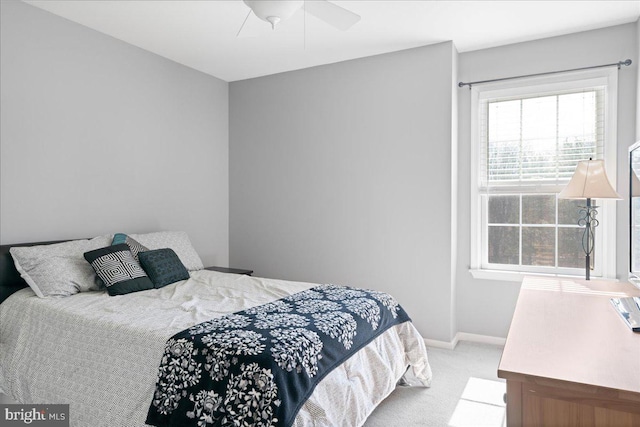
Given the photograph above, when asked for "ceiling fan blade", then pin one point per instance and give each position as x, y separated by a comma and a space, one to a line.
332, 14
243, 23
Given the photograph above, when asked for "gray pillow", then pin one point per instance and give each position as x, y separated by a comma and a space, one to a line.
59, 269
176, 240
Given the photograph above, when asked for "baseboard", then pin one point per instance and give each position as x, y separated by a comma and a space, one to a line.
449, 345
464, 336
485, 339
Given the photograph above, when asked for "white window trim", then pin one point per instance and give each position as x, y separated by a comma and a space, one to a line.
607, 210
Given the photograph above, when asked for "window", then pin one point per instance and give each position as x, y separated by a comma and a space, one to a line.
526, 142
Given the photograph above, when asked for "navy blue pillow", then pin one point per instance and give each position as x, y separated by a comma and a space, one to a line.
163, 266
119, 271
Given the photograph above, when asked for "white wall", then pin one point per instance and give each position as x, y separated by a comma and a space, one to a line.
637, 58
486, 307
98, 136
342, 174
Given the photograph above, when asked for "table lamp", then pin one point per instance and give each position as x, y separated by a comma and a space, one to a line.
589, 181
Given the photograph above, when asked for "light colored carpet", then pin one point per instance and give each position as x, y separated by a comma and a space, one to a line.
471, 369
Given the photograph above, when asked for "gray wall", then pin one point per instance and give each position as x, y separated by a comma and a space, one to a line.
98, 136
347, 173
342, 174
486, 307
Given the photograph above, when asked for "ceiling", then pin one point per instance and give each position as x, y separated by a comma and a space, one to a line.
201, 34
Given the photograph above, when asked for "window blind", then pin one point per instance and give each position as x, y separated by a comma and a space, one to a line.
529, 141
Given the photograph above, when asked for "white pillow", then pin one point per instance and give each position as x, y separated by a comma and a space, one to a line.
176, 240
59, 269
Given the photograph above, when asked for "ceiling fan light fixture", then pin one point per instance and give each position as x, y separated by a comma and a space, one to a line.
273, 20
274, 11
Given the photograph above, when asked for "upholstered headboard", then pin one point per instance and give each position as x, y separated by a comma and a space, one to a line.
10, 280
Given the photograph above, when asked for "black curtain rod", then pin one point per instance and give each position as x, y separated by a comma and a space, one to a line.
615, 64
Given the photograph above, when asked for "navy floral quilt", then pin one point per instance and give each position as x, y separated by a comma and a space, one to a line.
258, 366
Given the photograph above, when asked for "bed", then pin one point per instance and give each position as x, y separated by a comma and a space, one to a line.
101, 354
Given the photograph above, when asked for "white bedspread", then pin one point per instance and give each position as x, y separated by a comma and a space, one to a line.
101, 354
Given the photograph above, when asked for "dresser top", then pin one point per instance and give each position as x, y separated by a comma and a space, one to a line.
567, 331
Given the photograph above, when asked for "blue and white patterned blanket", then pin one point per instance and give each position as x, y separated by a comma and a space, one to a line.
258, 366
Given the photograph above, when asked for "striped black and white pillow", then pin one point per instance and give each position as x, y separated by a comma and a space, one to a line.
118, 269
135, 246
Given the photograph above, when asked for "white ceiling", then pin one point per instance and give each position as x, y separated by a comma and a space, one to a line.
202, 34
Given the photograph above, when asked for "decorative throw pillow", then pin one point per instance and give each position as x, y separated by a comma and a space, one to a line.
176, 240
134, 246
163, 267
58, 269
119, 271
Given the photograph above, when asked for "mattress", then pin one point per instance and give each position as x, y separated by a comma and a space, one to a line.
100, 354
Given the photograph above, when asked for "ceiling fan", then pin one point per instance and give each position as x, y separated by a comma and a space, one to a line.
275, 11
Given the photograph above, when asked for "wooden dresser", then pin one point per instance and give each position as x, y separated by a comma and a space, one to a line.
569, 359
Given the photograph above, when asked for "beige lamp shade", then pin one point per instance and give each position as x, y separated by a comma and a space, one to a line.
589, 181
635, 185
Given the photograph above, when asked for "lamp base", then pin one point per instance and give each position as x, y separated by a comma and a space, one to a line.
588, 267
589, 222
